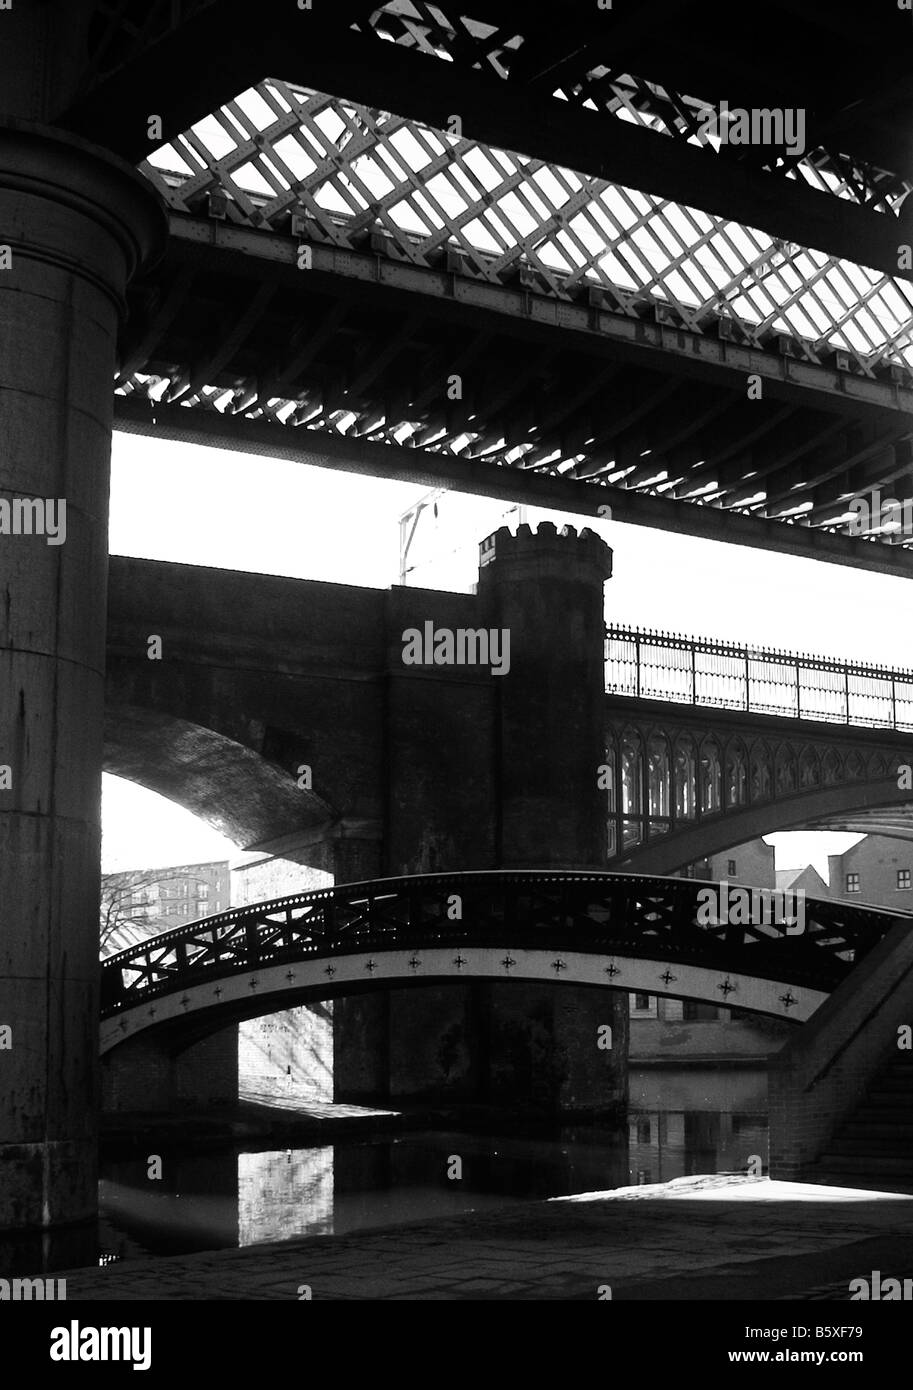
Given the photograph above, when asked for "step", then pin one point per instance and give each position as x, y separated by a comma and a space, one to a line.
877, 1128
831, 1178
869, 1166
877, 1100
878, 1148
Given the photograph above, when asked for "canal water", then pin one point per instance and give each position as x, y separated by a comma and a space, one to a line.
679, 1123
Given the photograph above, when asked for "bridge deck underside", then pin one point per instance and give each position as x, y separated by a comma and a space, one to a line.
372, 360
473, 316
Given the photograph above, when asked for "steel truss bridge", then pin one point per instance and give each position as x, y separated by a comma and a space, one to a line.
622, 931
710, 744
538, 203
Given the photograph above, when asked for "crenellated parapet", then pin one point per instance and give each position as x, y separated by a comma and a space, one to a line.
565, 553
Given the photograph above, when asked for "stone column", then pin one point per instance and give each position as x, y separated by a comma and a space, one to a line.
77, 223
503, 771
546, 590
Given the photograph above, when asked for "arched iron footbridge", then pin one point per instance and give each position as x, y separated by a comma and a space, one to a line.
615, 930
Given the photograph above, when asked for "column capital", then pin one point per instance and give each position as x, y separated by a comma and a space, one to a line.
46, 174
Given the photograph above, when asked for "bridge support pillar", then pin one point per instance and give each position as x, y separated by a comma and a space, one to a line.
144, 1076
546, 590
519, 1046
74, 226
518, 774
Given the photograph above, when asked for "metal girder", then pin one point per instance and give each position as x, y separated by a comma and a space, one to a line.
630, 419
627, 915
499, 80
381, 250
641, 340
480, 477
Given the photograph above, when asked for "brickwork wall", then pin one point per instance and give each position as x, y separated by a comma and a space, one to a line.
849, 1036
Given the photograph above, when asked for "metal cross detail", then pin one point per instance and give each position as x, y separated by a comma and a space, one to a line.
290, 976
459, 962
185, 1001
217, 993
726, 988
558, 966
507, 962
330, 970
152, 1013
612, 970
667, 977
787, 1000
371, 965
414, 963
252, 984
123, 1025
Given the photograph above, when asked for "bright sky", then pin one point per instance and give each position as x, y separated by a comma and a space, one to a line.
205, 506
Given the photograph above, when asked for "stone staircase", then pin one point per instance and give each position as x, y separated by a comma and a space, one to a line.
873, 1147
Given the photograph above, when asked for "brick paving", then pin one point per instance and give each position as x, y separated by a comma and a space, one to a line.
721, 1237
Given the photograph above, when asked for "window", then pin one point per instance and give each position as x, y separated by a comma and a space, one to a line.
693, 1012
903, 879
643, 1131
730, 866
852, 883
203, 892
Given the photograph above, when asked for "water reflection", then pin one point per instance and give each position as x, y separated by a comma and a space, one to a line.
245, 1197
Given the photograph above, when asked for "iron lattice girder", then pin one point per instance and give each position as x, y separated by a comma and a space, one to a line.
612, 914
402, 271
545, 84
356, 178
323, 447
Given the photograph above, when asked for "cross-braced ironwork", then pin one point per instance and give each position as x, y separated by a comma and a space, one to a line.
589, 78
122, 29
346, 172
615, 915
380, 201
664, 773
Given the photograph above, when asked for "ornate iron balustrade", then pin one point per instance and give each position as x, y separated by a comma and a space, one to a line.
663, 666
601, 913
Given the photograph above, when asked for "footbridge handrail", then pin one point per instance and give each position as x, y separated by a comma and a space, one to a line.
593, 911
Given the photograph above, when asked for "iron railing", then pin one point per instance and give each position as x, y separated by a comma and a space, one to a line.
609, 913
654, 665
